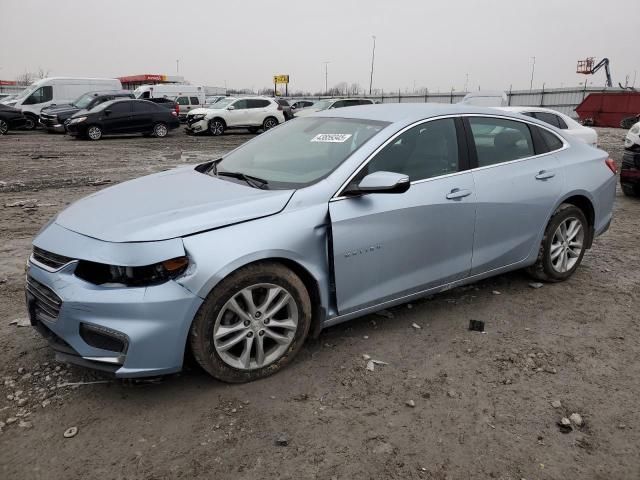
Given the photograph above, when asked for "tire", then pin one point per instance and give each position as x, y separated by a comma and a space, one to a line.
253, 129
217, 127
232, 364
94, 132
563, 264
630, 191
4, 127
160, 130
269, 123
32, 122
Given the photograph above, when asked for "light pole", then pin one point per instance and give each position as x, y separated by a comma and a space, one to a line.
373, 57
533, 69
326, 77
177, 67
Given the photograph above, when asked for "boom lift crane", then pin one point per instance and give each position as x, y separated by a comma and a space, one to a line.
587, 67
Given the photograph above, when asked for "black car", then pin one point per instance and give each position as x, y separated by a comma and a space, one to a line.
167, 103
10, 119
122, 117
53, 117
285, 107
630, 172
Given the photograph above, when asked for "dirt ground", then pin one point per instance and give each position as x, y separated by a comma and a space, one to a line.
483, 402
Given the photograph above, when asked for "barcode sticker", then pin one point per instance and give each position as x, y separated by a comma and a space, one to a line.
331, 137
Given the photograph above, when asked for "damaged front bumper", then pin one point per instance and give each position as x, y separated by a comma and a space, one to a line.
128, 331
196, 126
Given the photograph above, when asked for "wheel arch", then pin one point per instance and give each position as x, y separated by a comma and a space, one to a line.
217, 118
584, 202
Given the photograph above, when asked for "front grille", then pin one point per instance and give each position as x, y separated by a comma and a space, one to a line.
48, 119
191, 119
52, 260
44, 304
631, 159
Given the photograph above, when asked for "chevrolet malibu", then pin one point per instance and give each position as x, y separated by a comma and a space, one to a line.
321, 220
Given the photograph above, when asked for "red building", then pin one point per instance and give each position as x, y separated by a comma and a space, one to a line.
132, 82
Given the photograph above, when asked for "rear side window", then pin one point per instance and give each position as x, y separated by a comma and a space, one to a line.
257, 103
351, 103
549, 118
551, 141
194, 101
498, 140
139, 107
424, 151
182, 100
365, 102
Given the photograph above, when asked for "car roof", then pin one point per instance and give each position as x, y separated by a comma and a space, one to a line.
412, 112
524, 108
110, 92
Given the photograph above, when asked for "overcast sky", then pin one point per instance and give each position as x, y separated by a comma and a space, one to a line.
432, 44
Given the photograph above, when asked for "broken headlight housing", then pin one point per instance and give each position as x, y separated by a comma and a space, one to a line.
147, 275
197, 117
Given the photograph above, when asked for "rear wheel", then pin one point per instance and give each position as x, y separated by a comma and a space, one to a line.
630, 191
269, 123
252, 324
4, 127
94, 132
160, 130
216, 127
563, 245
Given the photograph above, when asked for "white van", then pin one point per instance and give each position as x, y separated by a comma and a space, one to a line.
486, 98
186, 96
57, 90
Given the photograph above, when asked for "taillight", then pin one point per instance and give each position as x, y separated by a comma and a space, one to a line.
174, 113
612, 165
176, 110
279, 107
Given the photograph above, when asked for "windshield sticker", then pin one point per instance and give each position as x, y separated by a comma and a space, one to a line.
331, 137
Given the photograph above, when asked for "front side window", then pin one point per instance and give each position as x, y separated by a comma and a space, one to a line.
240, 105
297, 154
182, 100
339, 104
41, 95
424, 151
120, 108
498, 140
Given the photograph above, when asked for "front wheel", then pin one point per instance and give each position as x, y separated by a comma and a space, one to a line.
269, 123
94, 132
563, 245
252, 324
216, 127
160, 130
32, 122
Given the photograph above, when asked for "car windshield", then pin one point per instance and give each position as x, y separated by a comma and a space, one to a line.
323, 104
300, 152
83, 100
223, 102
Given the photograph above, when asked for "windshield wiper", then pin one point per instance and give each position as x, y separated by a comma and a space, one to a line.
255, 182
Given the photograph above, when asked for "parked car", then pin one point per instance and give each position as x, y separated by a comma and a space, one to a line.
57, 90
630, 171
253, 113
333, 103
210, 100
323, 219
559, 120
301, 104
122, 117
287, 110
486, 98
7, 99
53, 118
11, 119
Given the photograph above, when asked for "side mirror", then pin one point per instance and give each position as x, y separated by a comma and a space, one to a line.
382, 182
107, 112
231, 107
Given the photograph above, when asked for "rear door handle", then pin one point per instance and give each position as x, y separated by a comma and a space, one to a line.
544, 175
456, 193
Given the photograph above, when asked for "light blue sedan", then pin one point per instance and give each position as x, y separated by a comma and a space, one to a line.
324, 219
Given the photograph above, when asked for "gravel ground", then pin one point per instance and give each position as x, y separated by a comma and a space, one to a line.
450, 404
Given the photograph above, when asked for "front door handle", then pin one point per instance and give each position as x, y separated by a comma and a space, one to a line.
545, 175
456, 193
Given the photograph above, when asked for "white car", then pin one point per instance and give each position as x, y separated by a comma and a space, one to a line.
558, 120
333, 103
253, 113
632, 140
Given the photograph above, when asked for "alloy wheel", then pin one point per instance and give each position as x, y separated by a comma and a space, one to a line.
4, 127
94, 133
256, 326
216, 127
269, 123
160, 130
567, 245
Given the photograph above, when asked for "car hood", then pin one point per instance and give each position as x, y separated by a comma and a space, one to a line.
8, 109
199, 111
67, 107
167, 205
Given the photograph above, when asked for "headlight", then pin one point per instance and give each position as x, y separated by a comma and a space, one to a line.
100, 273
200, 116
77, 120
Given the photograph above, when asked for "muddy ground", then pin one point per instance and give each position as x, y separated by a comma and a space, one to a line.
483, 402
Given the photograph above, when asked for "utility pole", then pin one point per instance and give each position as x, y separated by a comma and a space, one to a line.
373, 57
533, 69
326, 77
177, 66
466, 81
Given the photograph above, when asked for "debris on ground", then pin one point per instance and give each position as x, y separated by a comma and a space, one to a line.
476, 325
565, 425
70, 432
99, 181
452, 394
536, 285
371, 364
282, 440
496, 292
384, 313
21, 322
556, 404
410, 403
416, 326
576, 419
